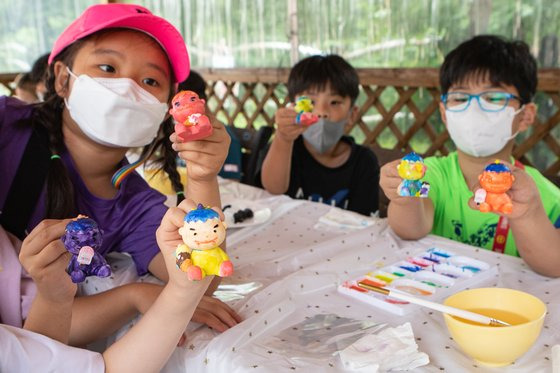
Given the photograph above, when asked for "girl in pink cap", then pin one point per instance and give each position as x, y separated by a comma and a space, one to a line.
111, 75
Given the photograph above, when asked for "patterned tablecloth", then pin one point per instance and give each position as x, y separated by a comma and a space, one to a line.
287, 270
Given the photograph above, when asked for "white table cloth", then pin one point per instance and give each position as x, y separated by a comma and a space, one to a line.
287, 270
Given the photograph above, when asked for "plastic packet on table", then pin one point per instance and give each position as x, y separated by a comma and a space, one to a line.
343, 221
232, 292
320, 336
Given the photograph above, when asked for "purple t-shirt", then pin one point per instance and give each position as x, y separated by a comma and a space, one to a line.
129, 220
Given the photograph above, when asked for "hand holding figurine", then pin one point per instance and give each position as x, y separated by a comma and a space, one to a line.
188, 111
505, 190
44, 257
286, 127
168, 238
206, 156
389, 180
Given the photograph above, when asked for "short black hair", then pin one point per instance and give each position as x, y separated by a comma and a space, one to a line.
194, 83
24, 81
493, 57
318, 71
39, 69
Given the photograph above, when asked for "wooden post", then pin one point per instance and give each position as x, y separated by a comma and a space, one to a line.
294, 37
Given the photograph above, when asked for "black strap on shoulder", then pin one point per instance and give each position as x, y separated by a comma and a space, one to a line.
27, 184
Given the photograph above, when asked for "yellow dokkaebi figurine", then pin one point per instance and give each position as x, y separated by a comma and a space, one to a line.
201, 255
411, 170
304, 108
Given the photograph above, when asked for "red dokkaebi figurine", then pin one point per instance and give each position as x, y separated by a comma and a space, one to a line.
190, 121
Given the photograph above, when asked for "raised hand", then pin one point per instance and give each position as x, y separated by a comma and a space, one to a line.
45, 258
287, 129
204, 157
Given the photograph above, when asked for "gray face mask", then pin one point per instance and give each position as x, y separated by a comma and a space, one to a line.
324, 134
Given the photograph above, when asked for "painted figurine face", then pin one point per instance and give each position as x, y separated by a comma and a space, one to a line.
496, 178
186, 103
81, 232
303, 105
411, 170
411, 167
203, 235
203, 229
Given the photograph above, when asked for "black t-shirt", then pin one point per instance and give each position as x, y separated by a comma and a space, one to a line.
353, 186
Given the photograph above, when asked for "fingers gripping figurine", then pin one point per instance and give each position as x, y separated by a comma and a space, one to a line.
200, 255
82, 238
304, 108
411, 170
496, 180
190, 121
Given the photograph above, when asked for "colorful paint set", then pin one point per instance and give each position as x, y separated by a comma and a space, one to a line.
434, 274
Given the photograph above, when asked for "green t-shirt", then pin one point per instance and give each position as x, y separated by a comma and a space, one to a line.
454, 219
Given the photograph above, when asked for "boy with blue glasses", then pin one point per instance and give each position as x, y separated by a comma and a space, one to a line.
487, 84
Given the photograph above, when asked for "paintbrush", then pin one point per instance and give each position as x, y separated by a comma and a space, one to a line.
467, 315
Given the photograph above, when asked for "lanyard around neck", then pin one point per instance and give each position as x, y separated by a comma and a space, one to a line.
502, 229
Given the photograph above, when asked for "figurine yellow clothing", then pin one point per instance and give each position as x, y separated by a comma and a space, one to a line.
208, 260
200, 254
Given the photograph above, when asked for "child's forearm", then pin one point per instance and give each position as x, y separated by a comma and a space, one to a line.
206, 192
154, 338
276, 167
50, 319
100, 315
538, 242
411, 218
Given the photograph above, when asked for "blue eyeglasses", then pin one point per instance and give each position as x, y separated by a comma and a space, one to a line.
487, 101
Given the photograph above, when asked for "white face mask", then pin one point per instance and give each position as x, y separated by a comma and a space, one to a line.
115, 111
324, 134
481, 133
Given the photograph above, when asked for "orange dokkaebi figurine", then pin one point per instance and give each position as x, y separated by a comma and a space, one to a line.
496, 180
190, 121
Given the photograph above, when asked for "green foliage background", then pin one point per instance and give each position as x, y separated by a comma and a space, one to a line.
254, 33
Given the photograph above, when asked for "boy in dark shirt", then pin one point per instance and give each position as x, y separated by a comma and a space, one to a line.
318, 162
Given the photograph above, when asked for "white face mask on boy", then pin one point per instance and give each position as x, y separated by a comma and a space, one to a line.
115, 111
481, 133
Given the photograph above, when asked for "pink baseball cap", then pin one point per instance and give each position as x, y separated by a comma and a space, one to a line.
135, 17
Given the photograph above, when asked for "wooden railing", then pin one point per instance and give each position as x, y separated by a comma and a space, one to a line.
5, 80
398, 109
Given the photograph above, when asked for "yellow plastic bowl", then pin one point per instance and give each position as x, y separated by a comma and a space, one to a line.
491, 345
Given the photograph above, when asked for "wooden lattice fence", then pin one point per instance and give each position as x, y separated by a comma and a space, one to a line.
398, 109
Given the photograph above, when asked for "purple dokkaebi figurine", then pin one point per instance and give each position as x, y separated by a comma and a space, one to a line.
82, 238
